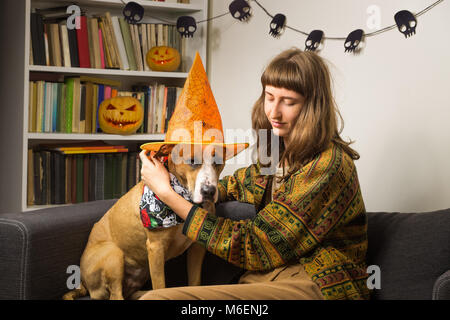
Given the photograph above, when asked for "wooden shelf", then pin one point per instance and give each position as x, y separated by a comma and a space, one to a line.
153, 6
94, 136
109, 72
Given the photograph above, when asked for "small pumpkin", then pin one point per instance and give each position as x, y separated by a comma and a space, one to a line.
120, 115
163, 58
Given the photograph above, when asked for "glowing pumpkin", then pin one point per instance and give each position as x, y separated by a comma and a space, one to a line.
163, 59
120, 115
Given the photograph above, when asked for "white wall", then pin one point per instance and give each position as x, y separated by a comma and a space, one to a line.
394, 96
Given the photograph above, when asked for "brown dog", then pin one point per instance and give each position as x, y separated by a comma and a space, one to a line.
121, 254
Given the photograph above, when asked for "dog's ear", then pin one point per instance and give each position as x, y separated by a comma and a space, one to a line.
234, 149
164, 151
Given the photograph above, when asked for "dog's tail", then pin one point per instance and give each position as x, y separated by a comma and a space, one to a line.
75, 294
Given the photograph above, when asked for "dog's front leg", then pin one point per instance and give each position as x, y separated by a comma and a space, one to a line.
195, 255
156, 259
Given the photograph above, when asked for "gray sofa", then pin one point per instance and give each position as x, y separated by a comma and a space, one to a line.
412, 251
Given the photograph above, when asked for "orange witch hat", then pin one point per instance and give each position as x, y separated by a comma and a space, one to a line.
196, 118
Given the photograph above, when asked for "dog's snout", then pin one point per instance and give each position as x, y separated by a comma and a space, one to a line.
208, 191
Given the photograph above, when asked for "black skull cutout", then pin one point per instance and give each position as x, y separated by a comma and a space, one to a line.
186, 26
313, 41
406, 22
353, 40
277, 25
133, 12
240, 9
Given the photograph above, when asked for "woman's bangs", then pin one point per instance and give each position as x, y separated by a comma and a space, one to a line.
283, 74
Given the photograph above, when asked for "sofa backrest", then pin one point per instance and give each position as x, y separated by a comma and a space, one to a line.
412, 251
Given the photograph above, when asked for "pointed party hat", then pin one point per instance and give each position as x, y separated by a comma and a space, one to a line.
196, 118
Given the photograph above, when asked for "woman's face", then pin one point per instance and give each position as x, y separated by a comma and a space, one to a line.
282, 107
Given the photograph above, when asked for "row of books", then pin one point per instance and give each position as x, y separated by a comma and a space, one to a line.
56, 177
71, 105
102, 42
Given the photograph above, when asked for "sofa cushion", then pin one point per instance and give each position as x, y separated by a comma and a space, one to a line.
412, 251
38, 246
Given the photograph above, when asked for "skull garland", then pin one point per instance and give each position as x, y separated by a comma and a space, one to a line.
406, 22
353, 40
277, 25
133, 12
313, 41
240, 9
186, 26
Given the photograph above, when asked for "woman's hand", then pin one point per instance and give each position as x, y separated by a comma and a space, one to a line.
155, 175
157, 178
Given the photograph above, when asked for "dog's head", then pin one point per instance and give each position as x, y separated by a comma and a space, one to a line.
197, 168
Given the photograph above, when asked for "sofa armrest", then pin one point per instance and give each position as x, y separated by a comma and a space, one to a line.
441, 288
38, 246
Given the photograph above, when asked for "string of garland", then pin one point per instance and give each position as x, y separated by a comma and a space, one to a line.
405, 21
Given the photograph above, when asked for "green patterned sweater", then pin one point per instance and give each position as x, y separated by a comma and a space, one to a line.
316, 218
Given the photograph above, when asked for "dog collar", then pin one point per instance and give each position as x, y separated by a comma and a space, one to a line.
156, 214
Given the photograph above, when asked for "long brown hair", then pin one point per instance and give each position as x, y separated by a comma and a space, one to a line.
317, 125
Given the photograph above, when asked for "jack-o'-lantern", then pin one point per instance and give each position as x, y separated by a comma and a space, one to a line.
120, 115
163, 59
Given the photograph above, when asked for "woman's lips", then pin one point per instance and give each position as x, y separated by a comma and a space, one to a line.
277, 124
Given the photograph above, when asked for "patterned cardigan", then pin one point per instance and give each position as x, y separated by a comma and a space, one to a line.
316, 218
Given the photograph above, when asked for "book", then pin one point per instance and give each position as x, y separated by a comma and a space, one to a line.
54, 116
85, 178
95, 49
82, 125
83, 43
89, 105
30, 176
102, 50
109, 82
37, 38
144, 42
92, 58
106, 43
108, 177
76, 106
79, 172
68, 180
64, 37
73, 48
120, 42
70, 82
99, 176
114, 48
126, 34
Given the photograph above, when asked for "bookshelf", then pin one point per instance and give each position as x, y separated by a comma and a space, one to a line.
15, 69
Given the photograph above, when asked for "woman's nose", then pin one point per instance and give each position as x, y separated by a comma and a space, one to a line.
275, 112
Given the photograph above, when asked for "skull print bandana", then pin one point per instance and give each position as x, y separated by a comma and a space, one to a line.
156, 214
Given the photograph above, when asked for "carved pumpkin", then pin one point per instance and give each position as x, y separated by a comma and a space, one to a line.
163, 59
120, 115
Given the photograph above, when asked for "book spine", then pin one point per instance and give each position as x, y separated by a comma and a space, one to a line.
83, 43
125, 27
69, 104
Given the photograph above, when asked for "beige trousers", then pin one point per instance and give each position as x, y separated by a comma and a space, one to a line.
283, 283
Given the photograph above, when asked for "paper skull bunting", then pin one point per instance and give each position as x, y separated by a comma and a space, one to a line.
277, 25
406, 22
133, 12
354, 40
186, 26
240, 9
313, 41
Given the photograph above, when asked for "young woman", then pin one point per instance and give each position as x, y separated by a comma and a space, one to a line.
309, 238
